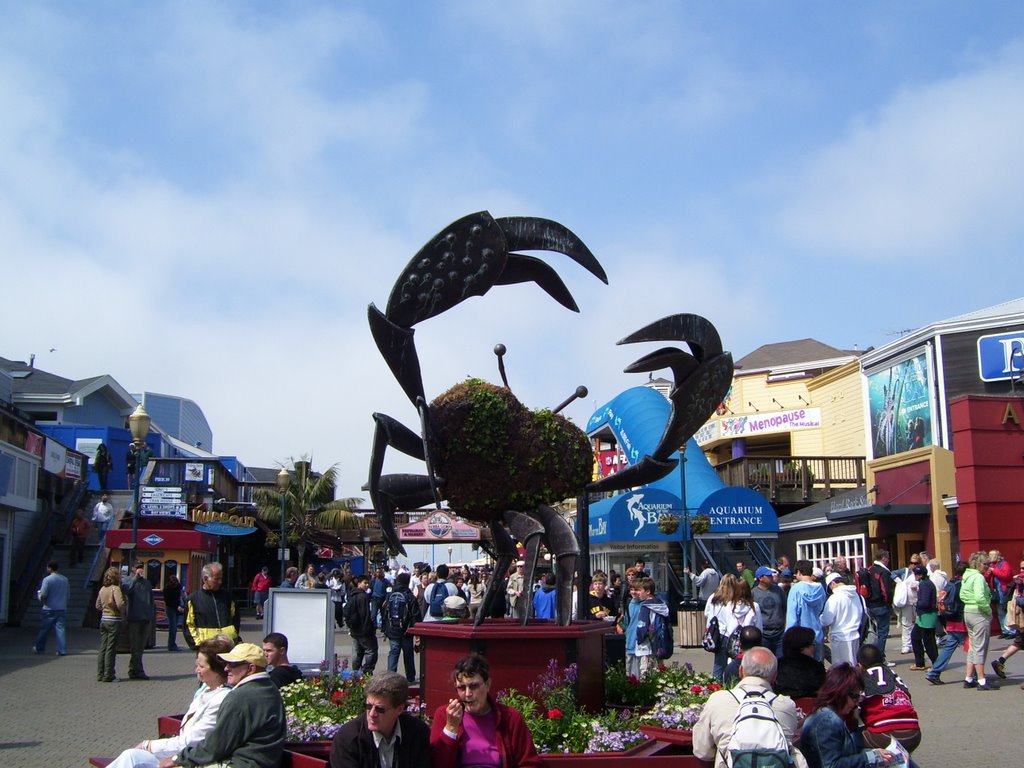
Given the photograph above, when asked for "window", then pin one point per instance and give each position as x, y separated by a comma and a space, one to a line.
823, 551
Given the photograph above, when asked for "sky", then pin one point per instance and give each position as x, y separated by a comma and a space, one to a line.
202, 199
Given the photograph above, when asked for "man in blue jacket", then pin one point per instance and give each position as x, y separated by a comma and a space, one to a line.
804, 604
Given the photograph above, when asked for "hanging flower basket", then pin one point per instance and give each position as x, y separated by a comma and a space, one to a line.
700, 524
668, 523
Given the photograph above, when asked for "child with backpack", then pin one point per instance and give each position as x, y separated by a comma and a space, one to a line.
399, 612
653, 638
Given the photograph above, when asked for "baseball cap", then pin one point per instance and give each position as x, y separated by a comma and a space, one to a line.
818, 573
520, 562
247, 652
764, 570
454, 603
832, 577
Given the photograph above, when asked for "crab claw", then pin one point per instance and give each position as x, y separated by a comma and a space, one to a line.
475, 253
701, 381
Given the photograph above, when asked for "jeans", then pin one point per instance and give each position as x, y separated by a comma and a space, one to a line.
365, 651
52, 620
950, 643
881, 616
108, 650
403, 645
172, 629
721, 662
138, 634
773, 644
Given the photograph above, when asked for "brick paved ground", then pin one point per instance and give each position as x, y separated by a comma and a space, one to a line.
53, 713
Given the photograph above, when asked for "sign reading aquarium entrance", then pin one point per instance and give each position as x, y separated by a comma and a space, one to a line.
739, 512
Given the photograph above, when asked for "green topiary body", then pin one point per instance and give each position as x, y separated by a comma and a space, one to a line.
496, 455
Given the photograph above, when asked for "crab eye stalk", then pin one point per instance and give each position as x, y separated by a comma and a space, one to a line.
579, 394
499, 350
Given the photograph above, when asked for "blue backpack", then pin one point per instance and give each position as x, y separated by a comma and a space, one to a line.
437, 597
659, 634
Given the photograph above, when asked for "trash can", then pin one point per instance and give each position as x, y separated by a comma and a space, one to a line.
690, 623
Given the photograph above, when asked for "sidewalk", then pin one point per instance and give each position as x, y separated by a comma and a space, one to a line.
53, 713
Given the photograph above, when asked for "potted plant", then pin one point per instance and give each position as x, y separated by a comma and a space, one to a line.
668, 523
700, 524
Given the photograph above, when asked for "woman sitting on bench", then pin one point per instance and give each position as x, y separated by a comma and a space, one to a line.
201, 715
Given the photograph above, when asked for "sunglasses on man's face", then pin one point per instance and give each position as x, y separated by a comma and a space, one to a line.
375, 707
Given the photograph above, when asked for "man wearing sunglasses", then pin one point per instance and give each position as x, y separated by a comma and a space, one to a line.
386, 736
251, 723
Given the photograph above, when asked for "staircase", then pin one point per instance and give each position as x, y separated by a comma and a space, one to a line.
80, 595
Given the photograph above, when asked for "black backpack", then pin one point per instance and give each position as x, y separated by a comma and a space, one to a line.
397, 614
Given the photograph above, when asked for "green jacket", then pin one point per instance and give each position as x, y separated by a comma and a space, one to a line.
250, 729
975, 593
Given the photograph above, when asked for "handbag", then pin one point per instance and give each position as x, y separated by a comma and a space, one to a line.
712, 641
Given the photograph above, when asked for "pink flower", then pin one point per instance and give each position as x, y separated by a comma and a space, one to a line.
554, 714
695, 689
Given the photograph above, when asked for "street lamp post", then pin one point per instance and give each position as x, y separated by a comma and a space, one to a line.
284, 481
138, 424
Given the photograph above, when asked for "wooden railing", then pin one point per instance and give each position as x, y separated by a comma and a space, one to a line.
805, 476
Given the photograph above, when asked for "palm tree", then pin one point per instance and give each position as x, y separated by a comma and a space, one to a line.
312, 514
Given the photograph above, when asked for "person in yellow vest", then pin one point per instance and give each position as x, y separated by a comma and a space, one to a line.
210, 610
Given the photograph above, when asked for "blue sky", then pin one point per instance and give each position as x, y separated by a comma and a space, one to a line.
202, 198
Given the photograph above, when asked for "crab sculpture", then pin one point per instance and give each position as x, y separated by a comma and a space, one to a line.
496, 462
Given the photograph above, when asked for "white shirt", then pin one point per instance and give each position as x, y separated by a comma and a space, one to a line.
102, 513
842, 613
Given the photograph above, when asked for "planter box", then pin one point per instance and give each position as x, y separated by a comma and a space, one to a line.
311, 754
668, 735
517, 654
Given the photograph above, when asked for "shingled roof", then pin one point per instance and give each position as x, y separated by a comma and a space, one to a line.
793, 353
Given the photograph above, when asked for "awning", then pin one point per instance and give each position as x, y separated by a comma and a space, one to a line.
845, 507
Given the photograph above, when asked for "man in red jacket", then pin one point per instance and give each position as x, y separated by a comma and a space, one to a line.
1000, 580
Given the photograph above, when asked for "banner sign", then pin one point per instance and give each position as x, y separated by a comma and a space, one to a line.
439, 526
766, 423
899, 399
736, 510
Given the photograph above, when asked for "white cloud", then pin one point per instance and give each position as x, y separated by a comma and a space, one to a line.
936, 170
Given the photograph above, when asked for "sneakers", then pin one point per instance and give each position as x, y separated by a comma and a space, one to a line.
918, 668
999, 669
970, 683
934, 680
988, 687
890, 664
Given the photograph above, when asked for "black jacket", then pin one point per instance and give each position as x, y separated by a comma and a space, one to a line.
359, 614
207, 613
881, 587
353, 745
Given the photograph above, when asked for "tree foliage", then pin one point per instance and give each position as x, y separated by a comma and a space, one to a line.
312, 514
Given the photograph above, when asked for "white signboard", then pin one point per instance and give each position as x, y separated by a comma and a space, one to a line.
306, 618
766, 423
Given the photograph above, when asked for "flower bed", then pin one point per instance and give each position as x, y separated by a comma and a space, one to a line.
662, 705
667, 698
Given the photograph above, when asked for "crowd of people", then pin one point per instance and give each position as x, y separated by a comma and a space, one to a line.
791, 635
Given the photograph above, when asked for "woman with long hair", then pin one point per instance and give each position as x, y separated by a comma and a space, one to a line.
827, 739
734, 607
111, 605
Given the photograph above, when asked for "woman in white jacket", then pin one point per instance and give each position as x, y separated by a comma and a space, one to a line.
201, 715
734, 607
842, 616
